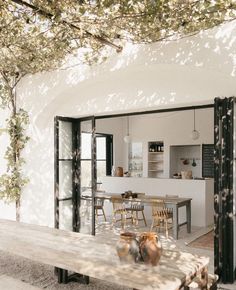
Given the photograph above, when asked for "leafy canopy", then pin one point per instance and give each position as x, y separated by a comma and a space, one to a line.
37, 35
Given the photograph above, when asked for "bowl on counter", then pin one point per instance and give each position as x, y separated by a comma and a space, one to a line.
176, 176
187, 174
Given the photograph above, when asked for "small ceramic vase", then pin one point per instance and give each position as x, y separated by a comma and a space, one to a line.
150, 248
128, 248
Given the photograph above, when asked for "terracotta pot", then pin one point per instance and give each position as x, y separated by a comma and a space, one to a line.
119, 171
128, 248
186, 174
150, 248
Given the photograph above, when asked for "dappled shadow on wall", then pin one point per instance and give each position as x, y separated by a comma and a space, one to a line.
142, 76
37, 204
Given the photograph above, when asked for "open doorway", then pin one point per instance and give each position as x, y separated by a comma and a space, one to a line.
126, 157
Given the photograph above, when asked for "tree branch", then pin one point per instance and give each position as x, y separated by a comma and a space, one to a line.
50, 16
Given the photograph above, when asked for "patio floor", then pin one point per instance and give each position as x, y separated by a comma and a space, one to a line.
10, 283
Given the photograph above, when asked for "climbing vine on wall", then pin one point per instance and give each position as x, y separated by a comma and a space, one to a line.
12, 182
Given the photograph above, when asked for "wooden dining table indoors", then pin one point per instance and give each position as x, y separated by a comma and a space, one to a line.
171, 202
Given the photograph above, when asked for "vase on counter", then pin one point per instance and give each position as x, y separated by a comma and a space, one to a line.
128, 248
119, 171
113, 171
150, 248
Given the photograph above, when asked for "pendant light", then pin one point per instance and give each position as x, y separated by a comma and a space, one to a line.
195, 134
127, 138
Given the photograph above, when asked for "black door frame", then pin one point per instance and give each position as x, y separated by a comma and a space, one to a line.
75, 170
57, 199
224, 195
63, 275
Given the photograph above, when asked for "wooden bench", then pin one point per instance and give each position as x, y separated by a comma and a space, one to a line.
90, 256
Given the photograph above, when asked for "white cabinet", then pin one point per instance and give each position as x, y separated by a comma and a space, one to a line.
155, 159
136, 159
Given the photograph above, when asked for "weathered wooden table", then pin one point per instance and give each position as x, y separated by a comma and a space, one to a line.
88, 255
172, 202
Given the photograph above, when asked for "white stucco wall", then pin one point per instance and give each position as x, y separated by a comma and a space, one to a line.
190, 71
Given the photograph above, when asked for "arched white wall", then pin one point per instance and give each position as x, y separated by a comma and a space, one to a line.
193, 70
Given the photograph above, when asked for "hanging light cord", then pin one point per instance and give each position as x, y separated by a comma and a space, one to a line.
128, 126
194, 120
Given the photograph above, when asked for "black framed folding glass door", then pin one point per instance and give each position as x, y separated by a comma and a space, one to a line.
87, 176
75, 174
224, 189
64, 178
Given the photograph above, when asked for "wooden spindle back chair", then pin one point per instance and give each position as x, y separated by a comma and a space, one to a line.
162, 217
136, 207
120, 210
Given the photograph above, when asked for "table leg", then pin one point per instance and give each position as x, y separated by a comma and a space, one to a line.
204, 279
62, 276
188, 216
175, 222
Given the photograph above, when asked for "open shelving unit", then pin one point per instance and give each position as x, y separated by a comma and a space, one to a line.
155, 159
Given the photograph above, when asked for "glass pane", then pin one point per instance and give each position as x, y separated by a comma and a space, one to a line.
86, 141
65, 179
65, 215
86, 126
65, 140
101, 170
85, 209
136, 150
86, 175
101, 147
85, 216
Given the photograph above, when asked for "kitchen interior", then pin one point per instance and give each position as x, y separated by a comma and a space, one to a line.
169, 153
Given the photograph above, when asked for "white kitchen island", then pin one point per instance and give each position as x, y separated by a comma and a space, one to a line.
201, 192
